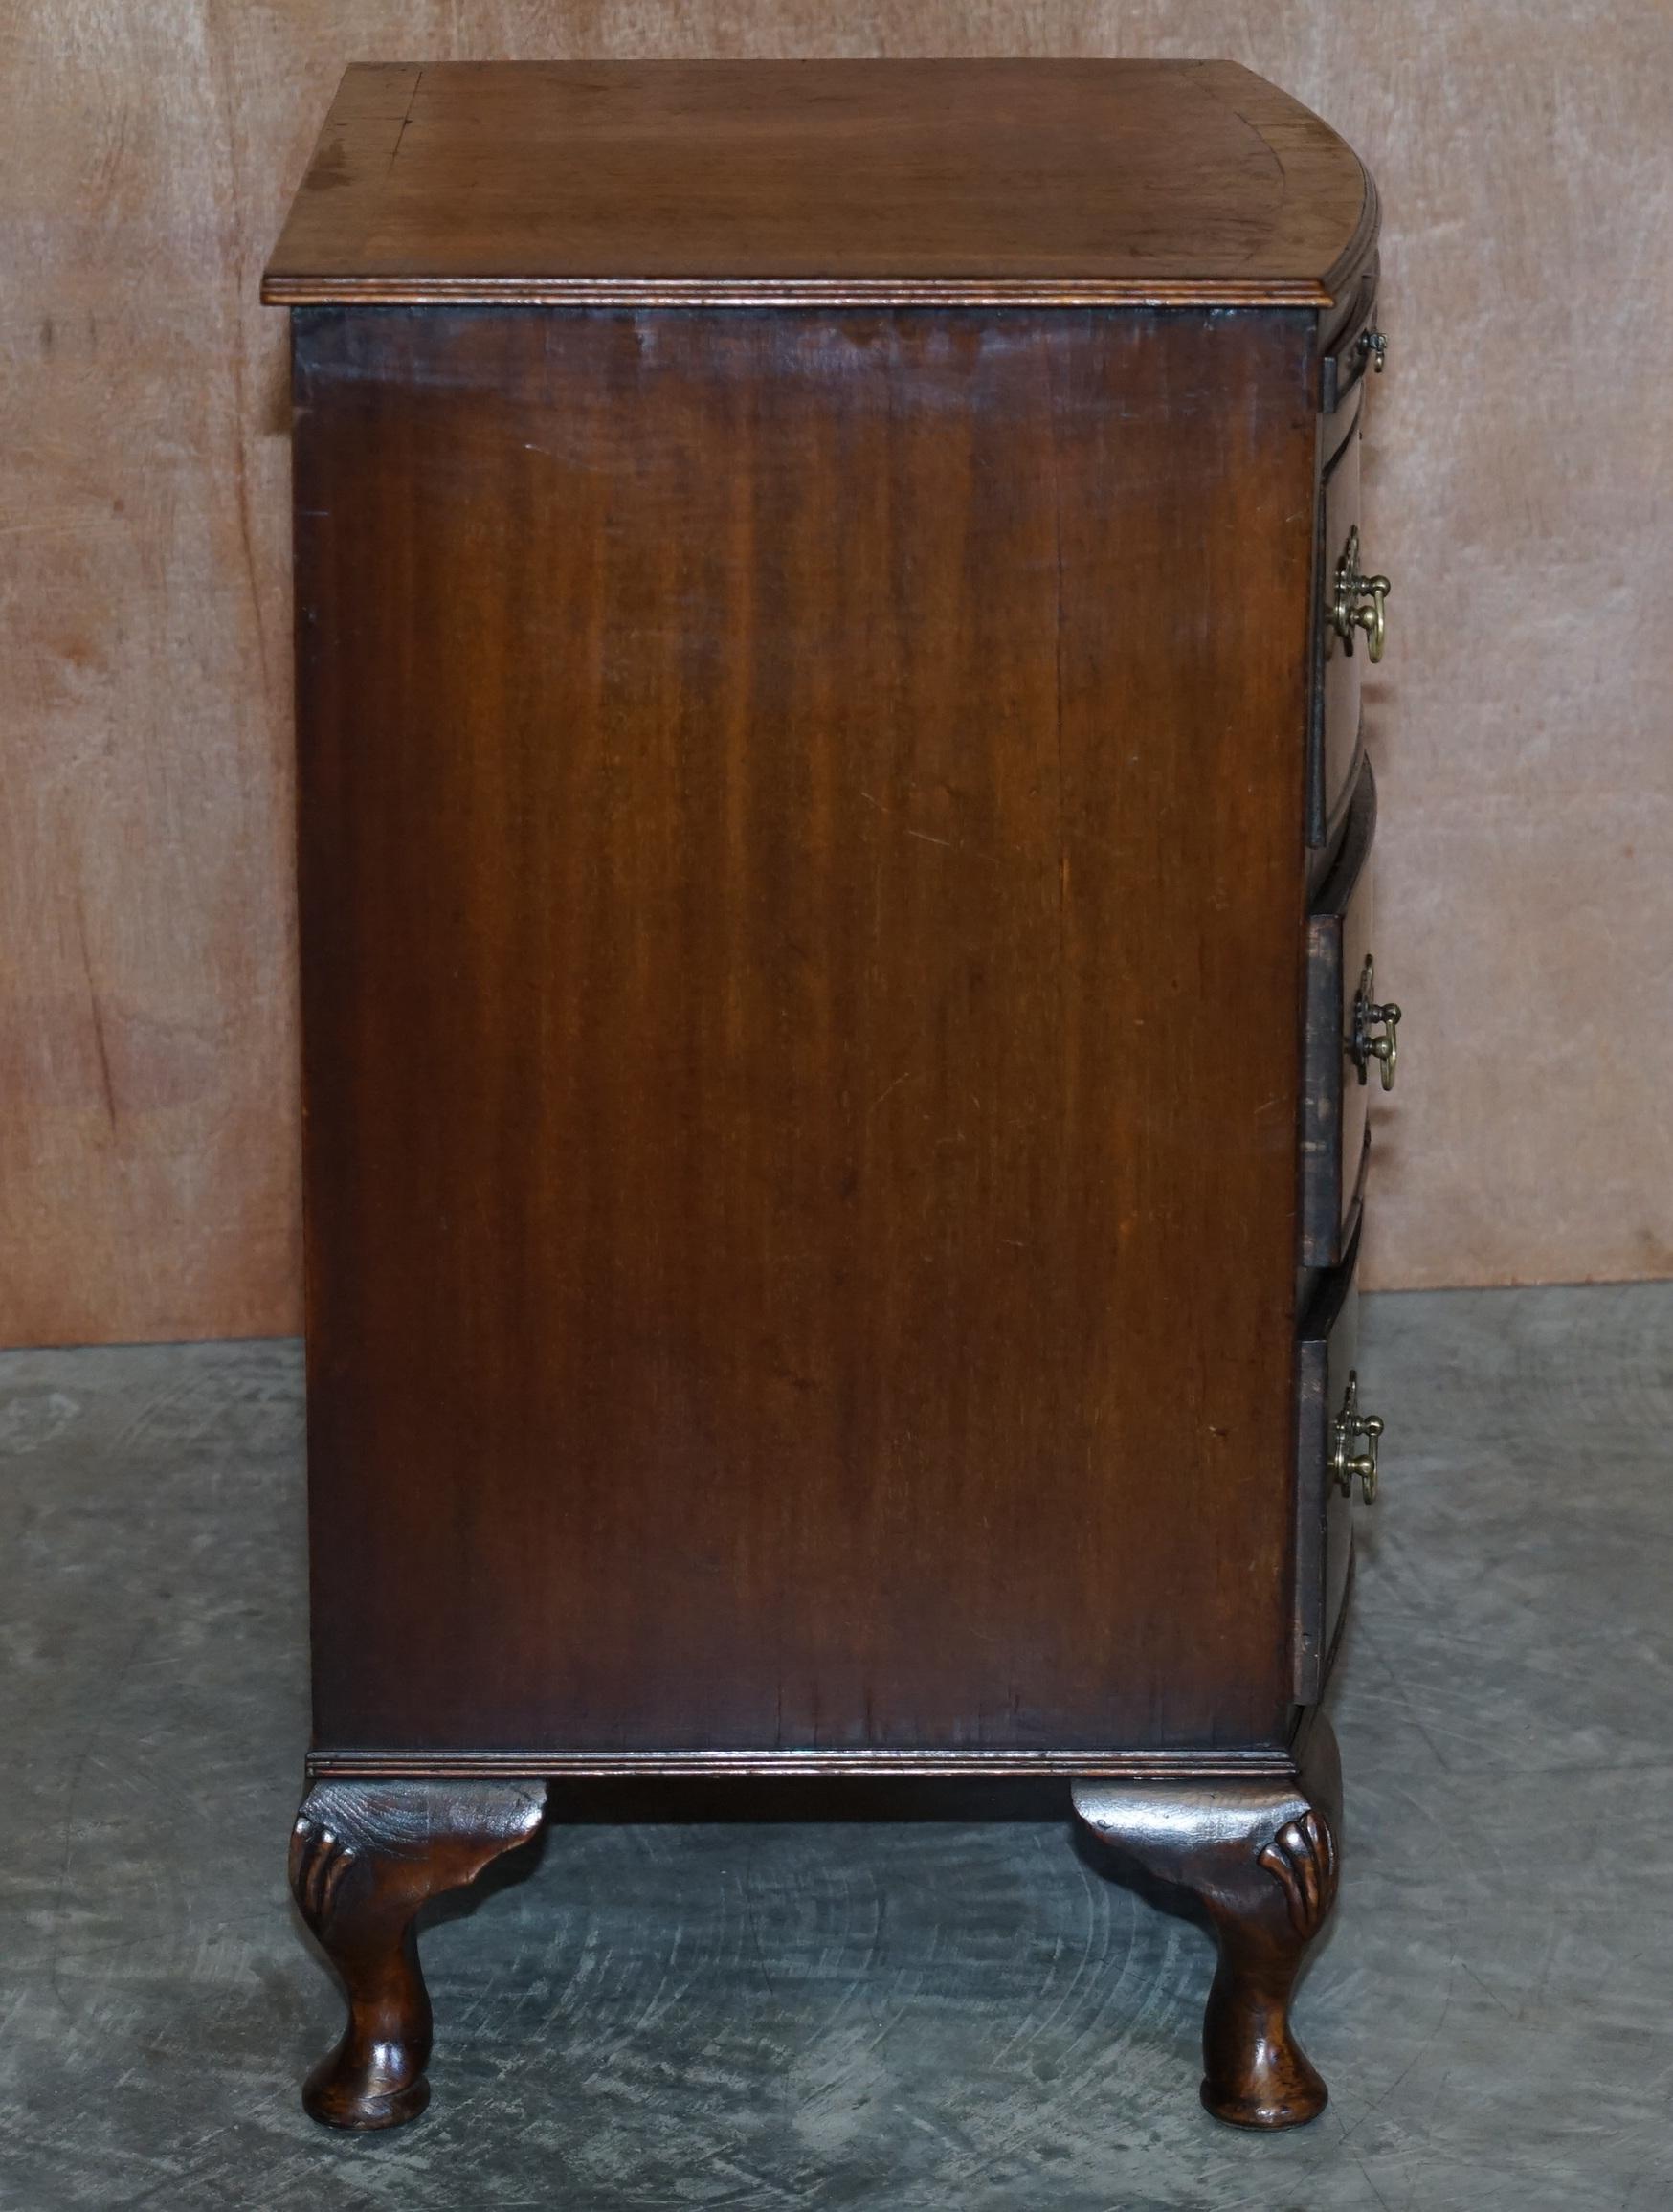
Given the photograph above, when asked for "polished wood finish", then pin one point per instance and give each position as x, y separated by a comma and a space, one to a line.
364, 1857
974, 182
820, 864
785, 1133
1258, 1864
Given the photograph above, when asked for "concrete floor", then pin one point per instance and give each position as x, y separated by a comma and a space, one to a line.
903, 2013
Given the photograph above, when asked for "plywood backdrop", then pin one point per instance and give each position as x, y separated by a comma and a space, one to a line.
1518, 493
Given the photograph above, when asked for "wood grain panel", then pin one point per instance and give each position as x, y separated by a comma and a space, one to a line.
1519, 721
740, 755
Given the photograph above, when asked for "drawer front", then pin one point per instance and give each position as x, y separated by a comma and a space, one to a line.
1328, 1385
1337, 671
1335, 1134
1356, 348
1335, 432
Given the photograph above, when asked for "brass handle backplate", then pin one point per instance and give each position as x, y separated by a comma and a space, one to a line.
1363, 1045
1358, 601
1351, 1427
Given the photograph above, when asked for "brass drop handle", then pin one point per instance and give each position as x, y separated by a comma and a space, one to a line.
1359, 601
1350, 1427
1368, 1016
1376, 348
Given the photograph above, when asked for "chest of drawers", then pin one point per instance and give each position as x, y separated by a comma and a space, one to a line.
833, 834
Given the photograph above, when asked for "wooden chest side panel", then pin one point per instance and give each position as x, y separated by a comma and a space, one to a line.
800, 859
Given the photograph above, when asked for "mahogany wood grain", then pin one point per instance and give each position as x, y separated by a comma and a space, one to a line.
801, 893
958, 181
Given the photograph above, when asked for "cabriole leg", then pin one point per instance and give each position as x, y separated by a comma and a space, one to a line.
1259, 1860
364, 1857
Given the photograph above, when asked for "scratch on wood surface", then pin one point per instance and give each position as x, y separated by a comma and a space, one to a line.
406, 120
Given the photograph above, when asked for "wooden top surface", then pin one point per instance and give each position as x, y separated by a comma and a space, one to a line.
755, 182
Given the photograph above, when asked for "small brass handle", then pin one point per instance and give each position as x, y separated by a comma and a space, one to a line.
1368, 1016
1358, 601
1350, 1426
1376, 348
